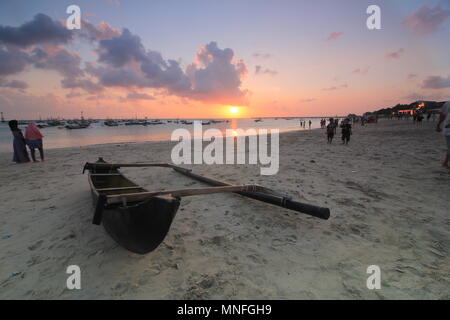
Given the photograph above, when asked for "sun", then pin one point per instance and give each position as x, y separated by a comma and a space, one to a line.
234, 110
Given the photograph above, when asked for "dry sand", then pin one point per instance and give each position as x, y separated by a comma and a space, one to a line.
388, 195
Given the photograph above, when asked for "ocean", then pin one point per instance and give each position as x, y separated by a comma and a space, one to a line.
98, 133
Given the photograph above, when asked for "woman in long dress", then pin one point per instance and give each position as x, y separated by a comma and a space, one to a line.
33, 138
20, 149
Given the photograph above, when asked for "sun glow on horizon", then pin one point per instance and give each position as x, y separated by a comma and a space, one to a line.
234, 110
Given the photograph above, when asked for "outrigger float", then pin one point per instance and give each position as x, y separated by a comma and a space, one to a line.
139, 220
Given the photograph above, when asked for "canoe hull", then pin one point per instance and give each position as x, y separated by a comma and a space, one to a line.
141, 227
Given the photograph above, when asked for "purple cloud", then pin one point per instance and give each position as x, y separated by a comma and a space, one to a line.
101, 31
137, 96
13, 61
334, 36
262, 55
436, 82
122, 49
42, 29
216, 77
14, 84
361, 71
63, 61
427, 19
395, 54
123, 61
84, 84
261, 70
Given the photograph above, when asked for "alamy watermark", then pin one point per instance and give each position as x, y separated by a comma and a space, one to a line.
374, 20
374, 280
190, 149
74, 20
74, 280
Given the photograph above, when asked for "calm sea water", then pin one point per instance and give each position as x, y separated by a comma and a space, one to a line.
98, 133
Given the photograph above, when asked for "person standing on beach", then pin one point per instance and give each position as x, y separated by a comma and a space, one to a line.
20, 149
330, 131
346, 131
444, 127
33, 138
310, 124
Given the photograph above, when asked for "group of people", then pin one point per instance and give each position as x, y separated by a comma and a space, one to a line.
303, 124
346, 130
33, 139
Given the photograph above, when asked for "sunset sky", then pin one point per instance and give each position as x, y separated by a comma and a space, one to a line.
199, 58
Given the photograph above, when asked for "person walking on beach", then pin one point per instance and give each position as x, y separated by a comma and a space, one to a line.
444, 127
33, 138
309, 124
330, 131
346, 131
20, 149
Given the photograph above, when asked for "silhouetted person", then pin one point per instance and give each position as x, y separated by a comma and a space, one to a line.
19, 146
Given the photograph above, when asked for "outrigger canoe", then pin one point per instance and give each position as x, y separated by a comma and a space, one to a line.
139, 220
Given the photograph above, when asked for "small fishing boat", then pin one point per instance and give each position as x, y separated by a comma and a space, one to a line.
110, 123
77, 126
139, 220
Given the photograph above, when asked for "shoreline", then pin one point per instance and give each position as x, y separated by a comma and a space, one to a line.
137, 142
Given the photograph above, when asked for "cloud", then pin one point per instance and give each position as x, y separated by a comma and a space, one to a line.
395, 54
216, 76
14, 84
334, 88
412, 76
97, 97
424, 97
12, 61
334, 36
73, 95
42, 29
427, 20
140, 96
59, 59
137, 96
101, 31
84, 84
307, 100
262, 70
436, 82
262, 55
361, 71
121, 50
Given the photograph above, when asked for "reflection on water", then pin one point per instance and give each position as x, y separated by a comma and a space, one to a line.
98, 133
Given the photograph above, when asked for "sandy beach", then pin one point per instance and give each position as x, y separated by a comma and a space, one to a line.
387, 193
